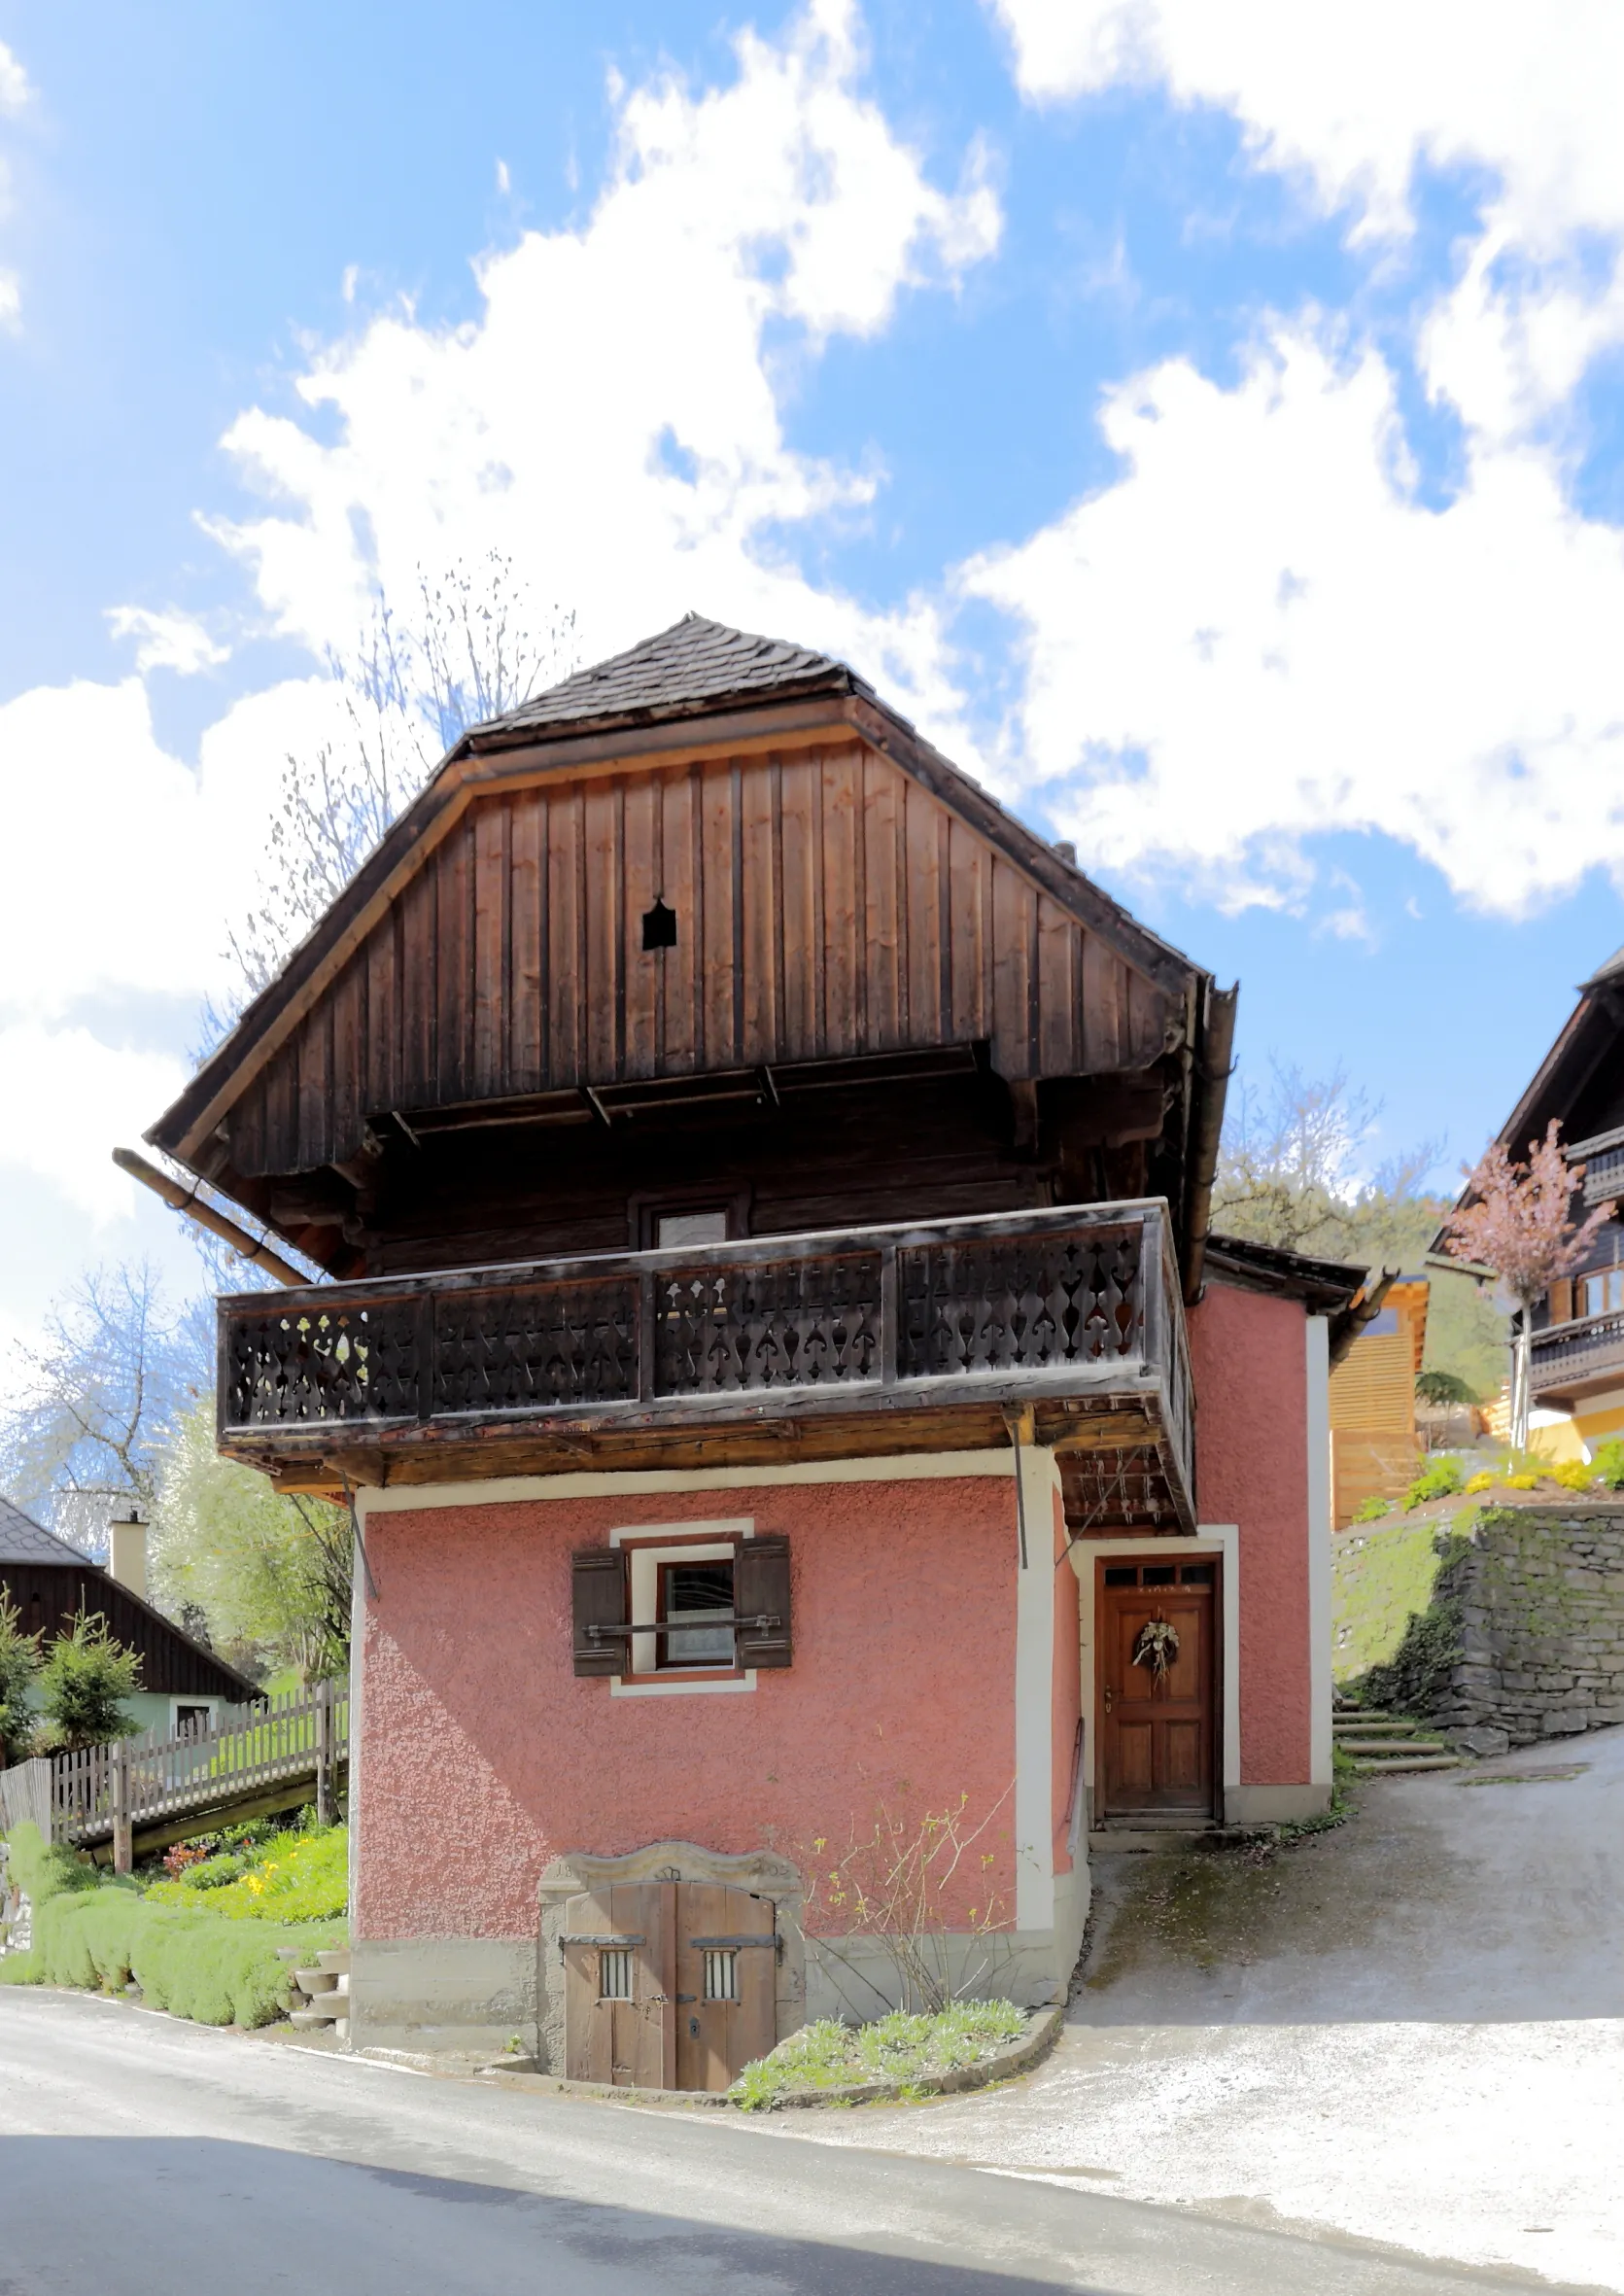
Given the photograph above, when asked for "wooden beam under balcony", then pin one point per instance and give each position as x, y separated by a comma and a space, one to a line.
845, 1343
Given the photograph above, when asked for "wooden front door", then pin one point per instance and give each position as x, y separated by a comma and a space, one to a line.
668, 1985
1157, 1726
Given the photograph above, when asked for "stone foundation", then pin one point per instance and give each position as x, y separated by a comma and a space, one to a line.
1524, 1637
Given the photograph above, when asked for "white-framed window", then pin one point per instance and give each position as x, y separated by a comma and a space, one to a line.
1603, 1291
679, 1577
192, 1715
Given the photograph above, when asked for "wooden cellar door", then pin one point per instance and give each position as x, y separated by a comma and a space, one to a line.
727, 1983
617, 1953
1157, 1722
668, 1985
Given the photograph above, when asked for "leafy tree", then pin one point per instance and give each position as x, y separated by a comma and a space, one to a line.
1289, 1175
84, 1684
100, 1393
1443, 1387
269, 1574
1514, 1220
19, 1666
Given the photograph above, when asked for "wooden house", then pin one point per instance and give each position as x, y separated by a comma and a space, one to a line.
1375, 1451
51, 1582
1576, 1369
765, 1194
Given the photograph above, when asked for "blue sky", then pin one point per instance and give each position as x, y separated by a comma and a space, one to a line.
1207, 420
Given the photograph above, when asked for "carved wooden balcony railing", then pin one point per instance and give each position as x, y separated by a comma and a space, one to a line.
852, 1341
1576, 1354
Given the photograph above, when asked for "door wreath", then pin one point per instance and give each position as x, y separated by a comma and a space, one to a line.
1156, 1646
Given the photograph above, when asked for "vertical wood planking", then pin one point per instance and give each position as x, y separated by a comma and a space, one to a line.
382, 1014
419, 1000
490, 858
282, 1109
968, 864
758, 893
802, 952
721, 1049
564, 935
922, 895
1101, 1018
679, 974
640, 970
1013, 928
882, 926
314, 1087
602, 972
349, 1055
842, 919
1058, 989
454, 872
527, 1019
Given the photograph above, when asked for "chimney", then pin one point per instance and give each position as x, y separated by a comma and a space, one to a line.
126, 1550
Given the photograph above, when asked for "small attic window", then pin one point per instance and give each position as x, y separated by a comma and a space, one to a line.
659, 927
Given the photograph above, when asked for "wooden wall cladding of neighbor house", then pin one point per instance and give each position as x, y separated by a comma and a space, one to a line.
1374, 1448
827, 906
48, 1596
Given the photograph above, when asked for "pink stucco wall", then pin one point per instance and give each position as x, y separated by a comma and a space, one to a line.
484, 1756
1249, 1358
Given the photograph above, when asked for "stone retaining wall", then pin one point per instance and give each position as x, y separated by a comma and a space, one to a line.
1536, 1598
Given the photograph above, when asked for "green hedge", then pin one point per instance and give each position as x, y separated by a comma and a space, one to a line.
93, 1931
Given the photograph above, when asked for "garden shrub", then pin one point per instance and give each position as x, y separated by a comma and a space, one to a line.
1477, 1483
1574, 1475
1372, 1510
1607, 1465
1442, 1480
296, 1877
94, 1931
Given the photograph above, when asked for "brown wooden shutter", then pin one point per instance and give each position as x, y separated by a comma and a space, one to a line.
761, 1588
598, 1576
1562, 1299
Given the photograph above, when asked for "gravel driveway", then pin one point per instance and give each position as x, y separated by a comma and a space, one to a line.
1410, 2029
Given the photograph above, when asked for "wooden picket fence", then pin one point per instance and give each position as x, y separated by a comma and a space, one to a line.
174, 1782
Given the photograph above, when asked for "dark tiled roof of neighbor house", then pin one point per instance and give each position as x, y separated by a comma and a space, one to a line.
23, 1540
694, 665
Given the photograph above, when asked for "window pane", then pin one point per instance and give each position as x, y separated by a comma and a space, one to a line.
1197, 1574
676, 1228
1121, 1575
614, 1973
1595, 1295
1159, 1575
721, 1980
1615, 1290
691, 1589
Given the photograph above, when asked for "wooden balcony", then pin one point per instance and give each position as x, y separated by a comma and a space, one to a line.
1569, 1360
842, 1344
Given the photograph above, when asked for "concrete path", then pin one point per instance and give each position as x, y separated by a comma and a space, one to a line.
139, 2155
1410, 2029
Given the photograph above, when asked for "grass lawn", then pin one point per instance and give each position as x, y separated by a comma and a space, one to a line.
901, 2047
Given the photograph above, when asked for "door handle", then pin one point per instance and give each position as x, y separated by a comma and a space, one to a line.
1107, 1697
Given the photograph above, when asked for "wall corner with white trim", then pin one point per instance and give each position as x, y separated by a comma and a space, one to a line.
1318, 1432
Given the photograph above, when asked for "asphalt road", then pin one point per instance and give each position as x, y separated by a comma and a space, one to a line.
139, 2154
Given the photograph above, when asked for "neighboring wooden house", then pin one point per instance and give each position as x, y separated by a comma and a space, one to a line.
765, 1190
51, 1582
1376, 1450
1577, 1357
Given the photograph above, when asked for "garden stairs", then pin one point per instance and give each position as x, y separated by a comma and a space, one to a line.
321, 1995
1384, 1745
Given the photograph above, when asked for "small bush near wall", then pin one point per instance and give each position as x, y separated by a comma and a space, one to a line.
100, 1933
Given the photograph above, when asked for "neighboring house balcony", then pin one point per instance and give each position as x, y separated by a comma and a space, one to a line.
1062, 1328
1569, 1360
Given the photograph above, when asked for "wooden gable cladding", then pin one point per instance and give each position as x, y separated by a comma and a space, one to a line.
827, 905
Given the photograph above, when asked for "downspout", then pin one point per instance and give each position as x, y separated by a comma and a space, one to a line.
1213, 1070
187, 1203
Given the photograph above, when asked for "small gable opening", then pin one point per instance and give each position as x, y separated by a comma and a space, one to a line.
659, 927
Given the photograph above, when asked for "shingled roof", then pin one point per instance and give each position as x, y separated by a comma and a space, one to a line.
21, 1539
695, 665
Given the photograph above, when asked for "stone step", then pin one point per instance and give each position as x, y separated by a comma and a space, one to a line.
1389, 1765
1390, 1742
314, 1981
1374, 1729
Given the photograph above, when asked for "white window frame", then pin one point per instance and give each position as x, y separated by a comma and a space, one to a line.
651, 1544
176, 1703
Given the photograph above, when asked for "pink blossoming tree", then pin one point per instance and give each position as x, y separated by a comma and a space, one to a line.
1515, 1221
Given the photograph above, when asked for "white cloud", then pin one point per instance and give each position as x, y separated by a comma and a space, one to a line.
1259, 634
170, 641
15, 90
613, 419
161, 855
69, 1100
14, 94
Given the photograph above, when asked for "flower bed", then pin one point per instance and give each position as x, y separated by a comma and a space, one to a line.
896, 2051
